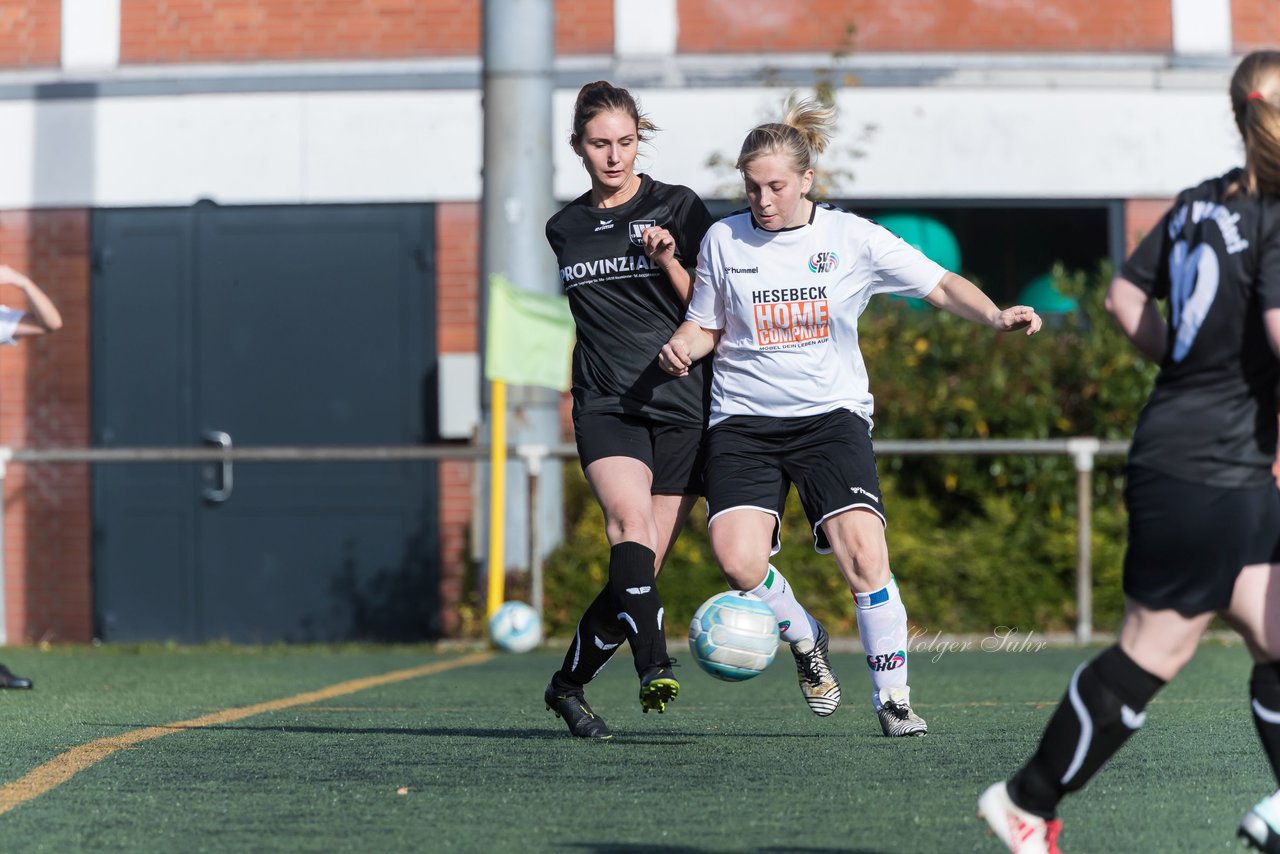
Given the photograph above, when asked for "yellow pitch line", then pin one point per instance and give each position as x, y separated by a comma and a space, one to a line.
66, 765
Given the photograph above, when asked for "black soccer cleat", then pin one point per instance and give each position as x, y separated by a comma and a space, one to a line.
572, 708
658, 686
9, 680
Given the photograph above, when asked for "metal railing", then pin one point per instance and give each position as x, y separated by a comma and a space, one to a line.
1083, 452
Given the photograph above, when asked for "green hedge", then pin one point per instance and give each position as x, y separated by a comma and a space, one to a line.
975, 542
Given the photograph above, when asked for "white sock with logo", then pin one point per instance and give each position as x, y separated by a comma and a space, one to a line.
882, 624
794, 622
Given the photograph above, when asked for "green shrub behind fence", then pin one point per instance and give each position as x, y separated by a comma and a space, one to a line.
975, 542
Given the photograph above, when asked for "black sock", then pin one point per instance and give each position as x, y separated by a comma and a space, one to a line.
635, 594
599, 633
1264, 691
1102, 708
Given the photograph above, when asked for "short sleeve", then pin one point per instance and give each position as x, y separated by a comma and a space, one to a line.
9, 319
1269, 263
900, 268
692, 219
706, 305
1148, 265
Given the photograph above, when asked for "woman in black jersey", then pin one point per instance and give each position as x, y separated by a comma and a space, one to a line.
1204, 512
624, 249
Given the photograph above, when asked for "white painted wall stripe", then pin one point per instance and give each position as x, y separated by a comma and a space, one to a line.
644, 29
90, 34
1202, 27
408, 146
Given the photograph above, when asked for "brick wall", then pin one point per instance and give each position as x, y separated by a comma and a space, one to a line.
458, 306
1254, 25
241, 30
30, 33
44, 402
720, 26
1140, 216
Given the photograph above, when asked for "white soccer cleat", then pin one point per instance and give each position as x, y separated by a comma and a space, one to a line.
818, 681
1021, 832
896, 716
1260, 826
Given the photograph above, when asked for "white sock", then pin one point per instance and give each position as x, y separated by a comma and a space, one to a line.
882, 623
794, 622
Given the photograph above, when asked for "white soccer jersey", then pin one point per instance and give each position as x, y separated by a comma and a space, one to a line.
788, 302
9, 318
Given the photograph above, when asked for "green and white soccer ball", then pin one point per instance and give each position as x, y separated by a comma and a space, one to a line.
515, 627
733, 636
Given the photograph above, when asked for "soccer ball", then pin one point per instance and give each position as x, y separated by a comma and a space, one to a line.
733, 636
515, 627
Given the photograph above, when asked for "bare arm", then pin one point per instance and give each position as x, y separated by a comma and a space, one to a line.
1141, 322
961, 297
689, 344
42, 316
1271, 320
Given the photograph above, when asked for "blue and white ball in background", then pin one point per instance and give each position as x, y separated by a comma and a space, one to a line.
515, 627
733, 636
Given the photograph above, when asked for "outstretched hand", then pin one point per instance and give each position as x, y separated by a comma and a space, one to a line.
1019, 317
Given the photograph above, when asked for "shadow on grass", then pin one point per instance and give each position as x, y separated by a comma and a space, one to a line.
553, 733
609, 848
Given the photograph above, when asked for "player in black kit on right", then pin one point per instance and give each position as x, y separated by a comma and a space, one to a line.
625, 249
1204, 511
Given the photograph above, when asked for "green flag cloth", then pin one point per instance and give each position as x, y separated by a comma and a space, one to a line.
530, 337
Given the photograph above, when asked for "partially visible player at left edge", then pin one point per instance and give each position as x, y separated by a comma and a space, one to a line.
624, 249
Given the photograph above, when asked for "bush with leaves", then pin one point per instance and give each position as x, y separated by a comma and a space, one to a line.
975, 542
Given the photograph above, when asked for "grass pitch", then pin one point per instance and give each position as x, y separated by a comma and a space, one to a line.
468, 759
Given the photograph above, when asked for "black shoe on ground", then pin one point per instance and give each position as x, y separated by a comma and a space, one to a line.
571, 706
658, 686
9, 680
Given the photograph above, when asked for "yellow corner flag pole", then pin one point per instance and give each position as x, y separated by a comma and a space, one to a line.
497, 493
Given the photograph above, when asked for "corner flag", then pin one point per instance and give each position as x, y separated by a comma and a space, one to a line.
529, 337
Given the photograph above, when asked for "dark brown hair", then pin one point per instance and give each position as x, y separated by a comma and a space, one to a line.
603, 97
1255, 101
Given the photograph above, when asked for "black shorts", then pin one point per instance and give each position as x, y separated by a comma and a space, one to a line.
1188, 542
753, 460
673, 452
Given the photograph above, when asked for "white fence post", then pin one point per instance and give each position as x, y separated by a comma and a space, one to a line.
1082, 452
533, 456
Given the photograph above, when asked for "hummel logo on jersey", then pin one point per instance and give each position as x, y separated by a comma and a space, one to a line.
605, 225
635, 229
639, 591
858, 490
823, 262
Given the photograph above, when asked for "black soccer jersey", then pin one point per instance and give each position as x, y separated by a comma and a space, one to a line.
1212, 415
625, 307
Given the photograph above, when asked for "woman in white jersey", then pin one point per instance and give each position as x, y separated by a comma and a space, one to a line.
39, 317
778, 292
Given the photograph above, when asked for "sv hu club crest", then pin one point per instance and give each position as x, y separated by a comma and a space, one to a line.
823, 262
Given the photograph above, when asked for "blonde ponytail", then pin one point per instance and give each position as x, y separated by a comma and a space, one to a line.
804, 131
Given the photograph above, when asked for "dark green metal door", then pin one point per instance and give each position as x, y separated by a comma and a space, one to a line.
264, 326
